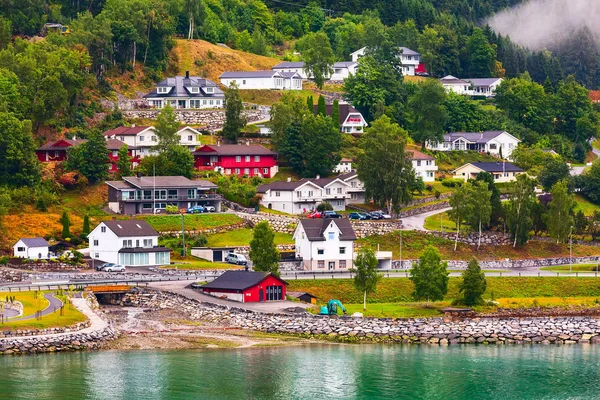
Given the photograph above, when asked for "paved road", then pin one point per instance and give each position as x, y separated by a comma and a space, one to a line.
54, 305
417, 222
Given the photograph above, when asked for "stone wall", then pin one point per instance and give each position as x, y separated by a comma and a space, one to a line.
7, 275
49, 331
207, 231
424, 209
487, 237
438, 331
507, 264
46, 266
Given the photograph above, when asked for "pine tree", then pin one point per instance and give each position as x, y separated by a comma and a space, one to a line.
430, 276
234, 118
86, 225
321, 107
335, 114
66, 225
366, 276
124, 162
473, 284
263, 252
310, 104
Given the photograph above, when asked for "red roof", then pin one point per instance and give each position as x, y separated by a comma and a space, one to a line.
126, 130
62, 144
417, 155
595, 96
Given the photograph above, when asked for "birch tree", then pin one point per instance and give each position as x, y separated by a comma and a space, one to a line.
560, 216
460, 208
367, 277
521, 201
479, 207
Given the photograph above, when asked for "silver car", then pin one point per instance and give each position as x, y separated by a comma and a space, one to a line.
114, 268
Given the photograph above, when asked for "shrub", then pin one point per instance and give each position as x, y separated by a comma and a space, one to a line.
197, 240
437, 194
171, 209
4, 260
324, 206
452, 182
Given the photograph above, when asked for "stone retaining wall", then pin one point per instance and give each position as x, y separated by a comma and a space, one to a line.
438, 331
34, 332
424, 209
471, 238
507, 264
207, 231
46, 266
7, 275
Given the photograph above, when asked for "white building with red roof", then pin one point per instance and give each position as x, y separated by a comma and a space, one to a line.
423, 164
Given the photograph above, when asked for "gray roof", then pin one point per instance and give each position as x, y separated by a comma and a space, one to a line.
482, 81
148, 182
315, 228
409, 52
499, 166
179, 84
247, 74
289, 64
130, 227
474, 137
34, 242
279, 185
290, 75
344, 64
449, 79
238, 280
348, 175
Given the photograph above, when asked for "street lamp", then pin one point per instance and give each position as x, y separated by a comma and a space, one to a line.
571, 250
183, 252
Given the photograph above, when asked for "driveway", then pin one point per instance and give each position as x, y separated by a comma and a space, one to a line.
417, 222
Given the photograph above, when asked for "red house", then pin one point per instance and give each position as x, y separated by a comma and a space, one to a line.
238, 159
247, 286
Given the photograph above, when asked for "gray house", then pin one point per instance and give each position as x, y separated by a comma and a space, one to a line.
148, 195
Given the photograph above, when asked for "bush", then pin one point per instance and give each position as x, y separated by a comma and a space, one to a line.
4, 260
171, 209
437, 194
452, 182
197, 240
324, 206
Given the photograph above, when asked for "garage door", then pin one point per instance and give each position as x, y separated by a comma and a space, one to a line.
217, 255
274, 293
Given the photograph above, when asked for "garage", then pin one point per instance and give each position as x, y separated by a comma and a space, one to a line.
247, 286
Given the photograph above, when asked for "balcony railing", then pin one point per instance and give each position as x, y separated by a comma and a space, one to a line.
208, 196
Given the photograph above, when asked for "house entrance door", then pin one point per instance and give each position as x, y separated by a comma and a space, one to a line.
331, 265
261, 295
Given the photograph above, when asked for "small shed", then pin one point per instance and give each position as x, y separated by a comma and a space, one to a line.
304, 297
214, 254
247, 286
35, 248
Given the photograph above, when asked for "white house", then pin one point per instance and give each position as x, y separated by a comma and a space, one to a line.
186, 92
351, 120
292, 66
501, 170
304, 195
500, 143
471, 86
325, 244
423, 164
344, 166
343, 69
410, 59
33, 248
143, 138
128, 242
356, 188
271, 80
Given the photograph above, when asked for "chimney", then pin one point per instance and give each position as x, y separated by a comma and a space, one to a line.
247, 143
187, 74
318, 177
218, 142
133, 125
289, 179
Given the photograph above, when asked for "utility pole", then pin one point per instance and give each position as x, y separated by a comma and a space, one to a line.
571, 250
400, 249
183, 252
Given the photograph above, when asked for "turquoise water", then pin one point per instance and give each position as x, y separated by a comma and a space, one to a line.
310, 372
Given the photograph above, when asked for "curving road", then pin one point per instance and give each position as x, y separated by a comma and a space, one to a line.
417, 222
54, 305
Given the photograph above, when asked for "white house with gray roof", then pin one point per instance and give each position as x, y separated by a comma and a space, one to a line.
471, 86
187, 91
341, 69
33, 248
273, 80
500, 143
410, 59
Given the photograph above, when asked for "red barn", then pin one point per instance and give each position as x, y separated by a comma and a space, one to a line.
237, 159
247, 286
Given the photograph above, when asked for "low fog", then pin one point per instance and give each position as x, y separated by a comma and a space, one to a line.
539, 24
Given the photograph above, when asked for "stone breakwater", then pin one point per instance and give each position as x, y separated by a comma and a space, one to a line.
437, 331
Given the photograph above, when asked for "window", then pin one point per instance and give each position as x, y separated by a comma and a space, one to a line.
428, 162
238, 158
511, 145
320, 251
330, 235
115, 153
506, 174
274, 293
237, 171
173, 194
195, 90
247, 158
95, 242
492, 146
162, 90
265, 171
339, 190
190, 138
141, 138
310, 193
320, 264
328, 191
256, 158
429, 174
246, 171
277, 194
353, 196
103, 229
342, 250
210, 90
255, 171
20, 248
298, 193
153, 138
162, 258
243, 81
210, 102
342, 263
128, 243
147, 242
418, 163
195, 103
147, 206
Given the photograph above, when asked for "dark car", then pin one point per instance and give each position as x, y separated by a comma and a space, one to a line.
356, 215
375, 215
330, 214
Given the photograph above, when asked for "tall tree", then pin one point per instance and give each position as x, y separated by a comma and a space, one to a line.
555, 170
310, 104
428, 113
288, 110
520, 205
321, 146
495, 201
19, 165
460, 207
384, 167
192, 10
366, 276
321, 107
86, 225
90, 158
66, 225
335, 114
430, 276
560, 212
318, 56
263, 252
234, 117
479, 207
124, 162
482, 55
473, 284
166, 128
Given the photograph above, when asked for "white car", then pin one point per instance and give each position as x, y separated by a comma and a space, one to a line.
234, 258
209, 209
114, 268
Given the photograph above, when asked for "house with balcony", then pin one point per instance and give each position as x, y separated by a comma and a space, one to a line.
340, 70
502, 171
297, 197
132, 243
237, 159
410, 59
499, 143
351, 120
355, 189
344, 166
325, 244
471, 86
423, 164
142, 139
152, 194
186, 92
269, 80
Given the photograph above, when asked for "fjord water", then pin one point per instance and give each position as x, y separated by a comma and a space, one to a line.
310, 372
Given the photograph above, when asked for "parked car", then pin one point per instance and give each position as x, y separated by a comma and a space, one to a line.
195, 210
358, 216
314, 214
209, 209
382, 215
330, 214
101, 267
375, 215
238, 259
366, 215
114, 268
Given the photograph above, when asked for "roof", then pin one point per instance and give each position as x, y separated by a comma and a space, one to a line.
474, 137
315, 228
114, 144
247, 74
405, 50
179, 85
483, 81
297, 295
289, 75
53, 144
234, 150
595, 96
347, 175
126, 130
417, 155
494, 166
322, 182
345, 160
344, 64
345, 110
289, 64
239, 280
142, 182
34, 242
280, 186
452, 80
130, 227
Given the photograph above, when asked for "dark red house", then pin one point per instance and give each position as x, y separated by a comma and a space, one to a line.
247, 286
237, 159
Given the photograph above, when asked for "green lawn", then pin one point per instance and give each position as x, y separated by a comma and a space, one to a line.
567, 268
583, 204
242, 237
31, 304
397, 310
194, 222
193, 263
441, 222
